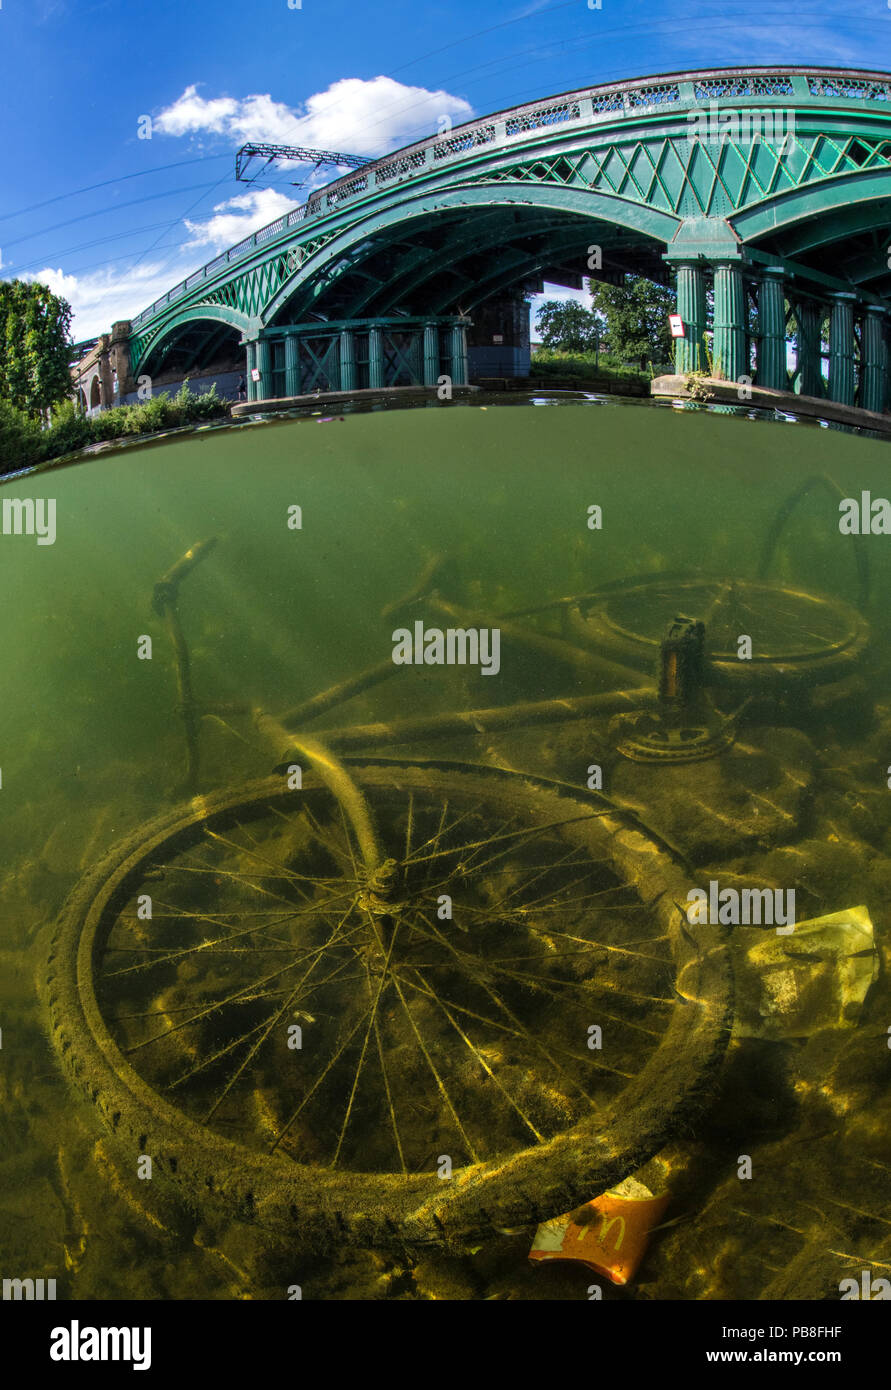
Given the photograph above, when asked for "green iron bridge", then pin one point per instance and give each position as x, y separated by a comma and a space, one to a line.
764, 194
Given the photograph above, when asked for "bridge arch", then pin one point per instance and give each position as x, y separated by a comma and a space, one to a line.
864, 192
191, 334
771, 184
513, 212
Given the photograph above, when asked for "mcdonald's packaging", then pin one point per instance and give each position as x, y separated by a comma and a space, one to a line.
817, 976
609, 1234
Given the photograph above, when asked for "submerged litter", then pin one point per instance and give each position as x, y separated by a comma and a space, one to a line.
794, 986
609, 1234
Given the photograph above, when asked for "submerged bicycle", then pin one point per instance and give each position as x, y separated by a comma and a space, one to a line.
392, 998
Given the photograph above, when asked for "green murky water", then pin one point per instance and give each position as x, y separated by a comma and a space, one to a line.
92, 748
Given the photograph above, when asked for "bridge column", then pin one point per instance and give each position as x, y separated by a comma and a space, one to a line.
809, 320
431, 354
251, 356
772, 330
292, 365
264, 362
459, 355
119, 358
841, 348
375, 357
874, 360
689, 351
729, 350
347, 360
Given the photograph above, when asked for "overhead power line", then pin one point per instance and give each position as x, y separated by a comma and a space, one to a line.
107, 183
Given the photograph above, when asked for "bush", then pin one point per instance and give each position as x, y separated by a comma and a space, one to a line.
21, 439
24, 443
583, 366
208, 405
69, 430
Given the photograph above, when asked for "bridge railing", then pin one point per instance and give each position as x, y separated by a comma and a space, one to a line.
589, 104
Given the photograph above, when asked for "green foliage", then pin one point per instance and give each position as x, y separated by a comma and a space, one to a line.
582, 366
707, 350
634, 316
207, 406
35, 346
23, 443
628, 322
70, 429
696, 383
567, 326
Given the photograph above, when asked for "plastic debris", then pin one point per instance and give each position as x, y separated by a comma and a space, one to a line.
609, 1234
817, 977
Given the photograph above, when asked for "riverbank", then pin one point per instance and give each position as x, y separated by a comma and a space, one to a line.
713, 390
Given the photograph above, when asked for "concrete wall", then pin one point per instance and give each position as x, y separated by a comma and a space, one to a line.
498, 361
227, 386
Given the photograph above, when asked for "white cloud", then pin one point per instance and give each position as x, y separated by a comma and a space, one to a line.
192, 113
239, 216
104, 296
354, 115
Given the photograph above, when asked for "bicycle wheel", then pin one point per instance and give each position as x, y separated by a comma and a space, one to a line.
424, 1036
797, 636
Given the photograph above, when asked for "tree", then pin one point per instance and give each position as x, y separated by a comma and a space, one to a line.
567, 326
635, 319
35, 346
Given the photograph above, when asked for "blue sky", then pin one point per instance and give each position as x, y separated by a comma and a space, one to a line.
78, 75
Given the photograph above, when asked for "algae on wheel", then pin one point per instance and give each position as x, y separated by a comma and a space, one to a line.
315, 1043
801, 639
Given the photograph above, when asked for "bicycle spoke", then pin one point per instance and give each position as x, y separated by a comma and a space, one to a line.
587, 1061
422, 1029
485, 1065
365, 1040
390, 1106
505, 1009
275, 1019
439, 1081
316, 1084
190, 950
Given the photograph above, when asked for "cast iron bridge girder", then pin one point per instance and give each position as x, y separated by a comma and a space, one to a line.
429, 266
622, 152
517, 265
835, 226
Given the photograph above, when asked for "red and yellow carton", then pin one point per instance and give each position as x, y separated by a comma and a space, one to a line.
609, 1234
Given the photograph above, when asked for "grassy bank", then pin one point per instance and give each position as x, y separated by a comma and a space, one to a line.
585, 367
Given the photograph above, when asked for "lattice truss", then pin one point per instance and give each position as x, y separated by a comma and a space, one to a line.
247, 293
250, 292
703, 177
